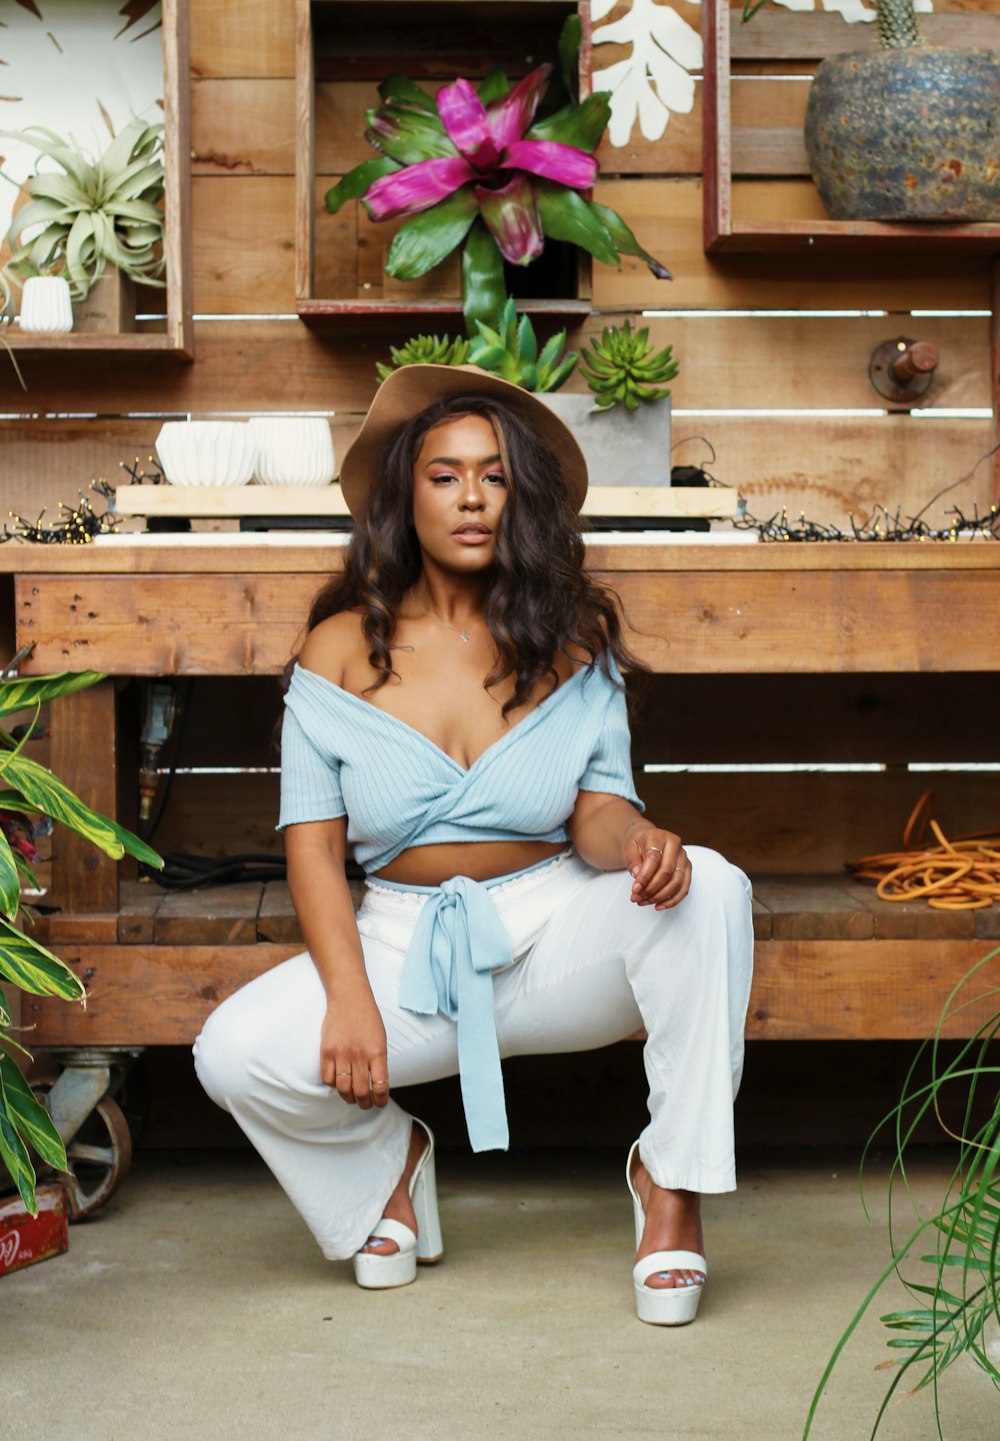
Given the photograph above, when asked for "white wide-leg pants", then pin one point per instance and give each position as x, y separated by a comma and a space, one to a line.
590, 968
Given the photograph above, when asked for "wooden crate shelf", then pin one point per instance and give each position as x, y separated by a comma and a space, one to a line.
338, 40
779, 152
177, 338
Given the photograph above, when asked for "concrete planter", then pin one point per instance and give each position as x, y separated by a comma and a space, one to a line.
620, 447
907, 134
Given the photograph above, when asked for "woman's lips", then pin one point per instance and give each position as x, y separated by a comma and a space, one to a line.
472, 537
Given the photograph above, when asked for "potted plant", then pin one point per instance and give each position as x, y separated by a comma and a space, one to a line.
28, 791
494, 168
907, 131
623, 425
424, 350
95, 223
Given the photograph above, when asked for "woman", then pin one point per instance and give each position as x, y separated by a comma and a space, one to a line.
457, 715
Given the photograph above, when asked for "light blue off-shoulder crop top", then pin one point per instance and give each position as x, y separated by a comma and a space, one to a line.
341, 755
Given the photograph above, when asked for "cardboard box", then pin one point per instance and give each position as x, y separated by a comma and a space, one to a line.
25, 1239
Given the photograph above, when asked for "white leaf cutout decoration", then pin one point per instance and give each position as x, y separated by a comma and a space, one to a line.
656, 79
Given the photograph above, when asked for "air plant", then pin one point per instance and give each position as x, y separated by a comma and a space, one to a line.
474, 167
425, 350
511, 351
88, 214
624, 369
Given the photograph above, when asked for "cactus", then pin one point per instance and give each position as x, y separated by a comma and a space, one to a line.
622, 368
511, 351
425, 350
897, 22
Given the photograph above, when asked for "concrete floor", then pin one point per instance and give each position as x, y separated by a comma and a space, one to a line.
195, 1305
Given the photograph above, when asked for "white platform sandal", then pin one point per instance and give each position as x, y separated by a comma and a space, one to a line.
661, 1305
376, 1272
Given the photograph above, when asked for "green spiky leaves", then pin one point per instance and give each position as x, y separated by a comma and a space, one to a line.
510, 350
27, 790
623, 368
92, 214
425, 350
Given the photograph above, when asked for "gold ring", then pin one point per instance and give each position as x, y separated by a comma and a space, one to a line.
345, 1073
656, 849
380, 1085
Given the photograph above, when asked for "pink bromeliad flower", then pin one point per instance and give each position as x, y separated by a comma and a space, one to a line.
492, 155
473, 166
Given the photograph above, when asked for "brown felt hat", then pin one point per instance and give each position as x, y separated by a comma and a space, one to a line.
413, 388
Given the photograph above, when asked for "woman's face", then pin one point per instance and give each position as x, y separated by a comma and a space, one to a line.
459, 491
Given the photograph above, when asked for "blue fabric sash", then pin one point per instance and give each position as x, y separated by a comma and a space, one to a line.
459, 939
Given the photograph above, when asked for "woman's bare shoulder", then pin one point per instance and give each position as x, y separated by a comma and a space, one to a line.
334, 646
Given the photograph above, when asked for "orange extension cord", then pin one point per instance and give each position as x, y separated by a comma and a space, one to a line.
958, 875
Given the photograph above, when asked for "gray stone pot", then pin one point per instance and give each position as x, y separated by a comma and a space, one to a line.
620, 447
911, 133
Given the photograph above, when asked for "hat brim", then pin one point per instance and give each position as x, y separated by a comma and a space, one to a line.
412, 388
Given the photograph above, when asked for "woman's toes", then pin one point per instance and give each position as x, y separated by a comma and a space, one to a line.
375, 1246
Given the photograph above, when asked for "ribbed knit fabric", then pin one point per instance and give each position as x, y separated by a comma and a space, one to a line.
341, 755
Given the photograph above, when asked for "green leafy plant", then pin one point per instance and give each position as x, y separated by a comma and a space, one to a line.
494, 168
425, 350
511, 351
28, 791
957, 1289
93, 213
624, 369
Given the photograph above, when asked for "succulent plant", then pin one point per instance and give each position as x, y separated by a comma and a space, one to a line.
623, 369
511, 351
88, 215
425, 350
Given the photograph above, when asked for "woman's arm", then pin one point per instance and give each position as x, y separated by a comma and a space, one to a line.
610, 834
352, 1046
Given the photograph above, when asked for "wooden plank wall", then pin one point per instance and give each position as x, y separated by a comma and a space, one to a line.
744, 367
737, 358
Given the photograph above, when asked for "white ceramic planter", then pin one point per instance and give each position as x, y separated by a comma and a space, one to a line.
620, 447
293, 450
46, 307
207, 452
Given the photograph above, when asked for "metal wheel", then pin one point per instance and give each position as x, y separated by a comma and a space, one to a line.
98, 1159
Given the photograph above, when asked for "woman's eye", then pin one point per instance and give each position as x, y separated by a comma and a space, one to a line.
496, 477
441, 479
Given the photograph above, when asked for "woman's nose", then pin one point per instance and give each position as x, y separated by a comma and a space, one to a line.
471, 495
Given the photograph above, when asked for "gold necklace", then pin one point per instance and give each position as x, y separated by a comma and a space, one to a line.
447, 624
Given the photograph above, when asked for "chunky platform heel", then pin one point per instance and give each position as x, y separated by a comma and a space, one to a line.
376, 1272
661, 1305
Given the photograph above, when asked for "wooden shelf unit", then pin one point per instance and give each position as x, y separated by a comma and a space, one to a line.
833, 962
177, 339
808, 38
374, 49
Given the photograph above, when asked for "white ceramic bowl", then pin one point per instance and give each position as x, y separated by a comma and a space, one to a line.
293, 450
207, 452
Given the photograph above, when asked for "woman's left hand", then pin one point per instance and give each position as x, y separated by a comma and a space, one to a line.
659, 866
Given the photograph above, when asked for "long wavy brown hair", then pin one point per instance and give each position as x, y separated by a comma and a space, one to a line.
539, 600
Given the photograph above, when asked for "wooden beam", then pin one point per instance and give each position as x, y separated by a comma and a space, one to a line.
84, 755
803, 990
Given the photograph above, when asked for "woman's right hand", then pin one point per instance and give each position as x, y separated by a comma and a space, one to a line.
353, 1056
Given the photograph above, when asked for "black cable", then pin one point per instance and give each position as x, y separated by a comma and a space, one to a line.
184, 872
184, 704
